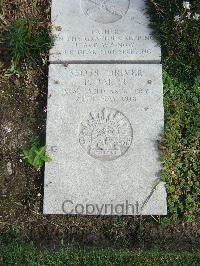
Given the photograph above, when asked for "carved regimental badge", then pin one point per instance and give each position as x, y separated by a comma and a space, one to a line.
105, 134
105, 11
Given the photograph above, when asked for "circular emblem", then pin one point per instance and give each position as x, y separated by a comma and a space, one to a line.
105, 134
105, 11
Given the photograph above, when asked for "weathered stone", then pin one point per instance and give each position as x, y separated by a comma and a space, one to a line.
103, 127
102, 30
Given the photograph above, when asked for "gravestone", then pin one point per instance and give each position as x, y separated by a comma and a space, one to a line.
97, 30
105, 114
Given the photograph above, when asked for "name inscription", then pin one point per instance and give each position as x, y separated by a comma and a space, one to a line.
108, 86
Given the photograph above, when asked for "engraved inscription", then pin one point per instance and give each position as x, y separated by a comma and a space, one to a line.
105, 11
106, 86
105, 134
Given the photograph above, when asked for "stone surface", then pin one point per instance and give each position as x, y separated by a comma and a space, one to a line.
102, 30
103, 127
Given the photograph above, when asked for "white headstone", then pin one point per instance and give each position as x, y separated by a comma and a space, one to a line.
102, 30
103, 127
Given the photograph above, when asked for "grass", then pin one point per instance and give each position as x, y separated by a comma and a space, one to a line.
28, 41
181, 148
178, 31
26, 254
179, 38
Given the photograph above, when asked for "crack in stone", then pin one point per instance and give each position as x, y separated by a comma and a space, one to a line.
157, 182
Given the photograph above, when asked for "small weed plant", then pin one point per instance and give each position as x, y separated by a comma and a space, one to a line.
36, 155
